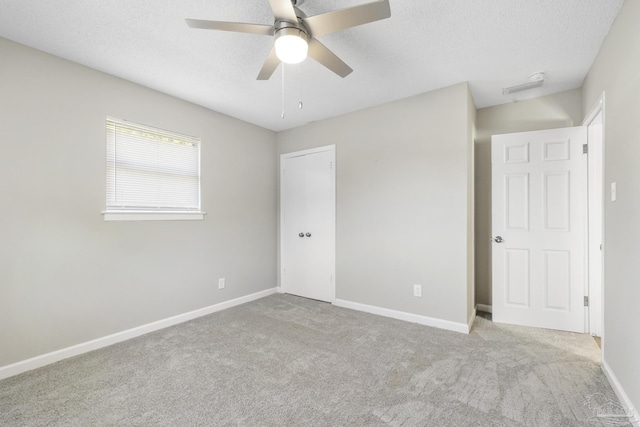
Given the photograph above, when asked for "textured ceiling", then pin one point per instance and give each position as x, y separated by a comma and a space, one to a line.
425, 45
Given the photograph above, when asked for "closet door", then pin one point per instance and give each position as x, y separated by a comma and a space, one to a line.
307, 223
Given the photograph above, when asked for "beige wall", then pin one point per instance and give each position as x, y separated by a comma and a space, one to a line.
547, 112
66, 276
471, 206
616, 71
402, 201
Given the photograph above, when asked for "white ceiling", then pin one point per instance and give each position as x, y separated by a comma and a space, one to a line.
425, 45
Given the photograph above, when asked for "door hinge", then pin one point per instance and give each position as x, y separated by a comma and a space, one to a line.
331, 165
586, 301
331, 278
585, 149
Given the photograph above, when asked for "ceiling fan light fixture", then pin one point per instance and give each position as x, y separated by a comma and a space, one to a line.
295, 35
291, 45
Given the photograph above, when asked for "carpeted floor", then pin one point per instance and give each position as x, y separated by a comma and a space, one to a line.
289, 361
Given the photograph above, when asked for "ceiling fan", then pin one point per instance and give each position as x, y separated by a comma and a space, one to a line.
295, 33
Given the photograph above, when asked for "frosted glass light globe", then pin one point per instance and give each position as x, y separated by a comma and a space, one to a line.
291, 46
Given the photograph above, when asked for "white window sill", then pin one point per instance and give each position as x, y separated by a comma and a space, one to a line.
152, 216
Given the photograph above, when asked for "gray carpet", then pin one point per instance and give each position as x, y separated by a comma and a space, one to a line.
288, 361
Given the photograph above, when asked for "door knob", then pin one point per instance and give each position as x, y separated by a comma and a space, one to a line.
301, 234
308, 234
498, 239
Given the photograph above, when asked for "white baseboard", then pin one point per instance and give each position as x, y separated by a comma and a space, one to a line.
484, 307
622, 395
401, 315
55, 356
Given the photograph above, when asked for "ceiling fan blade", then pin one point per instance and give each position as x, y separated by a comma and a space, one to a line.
283, 9
238, 27
331, 22
269, 66
323, 55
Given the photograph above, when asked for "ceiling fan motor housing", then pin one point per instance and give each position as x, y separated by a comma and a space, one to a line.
290, 29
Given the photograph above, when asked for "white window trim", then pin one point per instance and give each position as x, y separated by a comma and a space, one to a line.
153, 215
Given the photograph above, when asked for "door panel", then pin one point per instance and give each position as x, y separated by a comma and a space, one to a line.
556, 200
539, 212
517, 277
294, 207
557, 277
308, 207
517, 201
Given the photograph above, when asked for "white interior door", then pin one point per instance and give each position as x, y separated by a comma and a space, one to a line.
307, 236
539, 228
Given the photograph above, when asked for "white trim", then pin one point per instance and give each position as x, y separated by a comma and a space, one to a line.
594, 318
622, 395
407, 317
485, 308
599, 106
331, 147
152, 216
85, 347
472, 319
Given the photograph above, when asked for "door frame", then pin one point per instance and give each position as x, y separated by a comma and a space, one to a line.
595, 290
332, 149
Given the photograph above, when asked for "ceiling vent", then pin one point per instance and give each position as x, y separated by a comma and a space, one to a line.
535, 80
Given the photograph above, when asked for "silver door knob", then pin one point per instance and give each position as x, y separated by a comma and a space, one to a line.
498, 239
301, 234
308, 234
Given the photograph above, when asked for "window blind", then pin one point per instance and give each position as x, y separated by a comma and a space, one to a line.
151, 169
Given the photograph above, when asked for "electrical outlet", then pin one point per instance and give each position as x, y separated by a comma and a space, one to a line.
221, 283
417, 291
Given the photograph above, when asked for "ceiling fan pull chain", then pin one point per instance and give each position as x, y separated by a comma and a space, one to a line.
300, 105
282, 116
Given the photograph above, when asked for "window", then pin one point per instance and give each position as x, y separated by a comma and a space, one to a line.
151, 173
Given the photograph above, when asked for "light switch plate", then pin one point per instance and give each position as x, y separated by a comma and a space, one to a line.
614, 191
